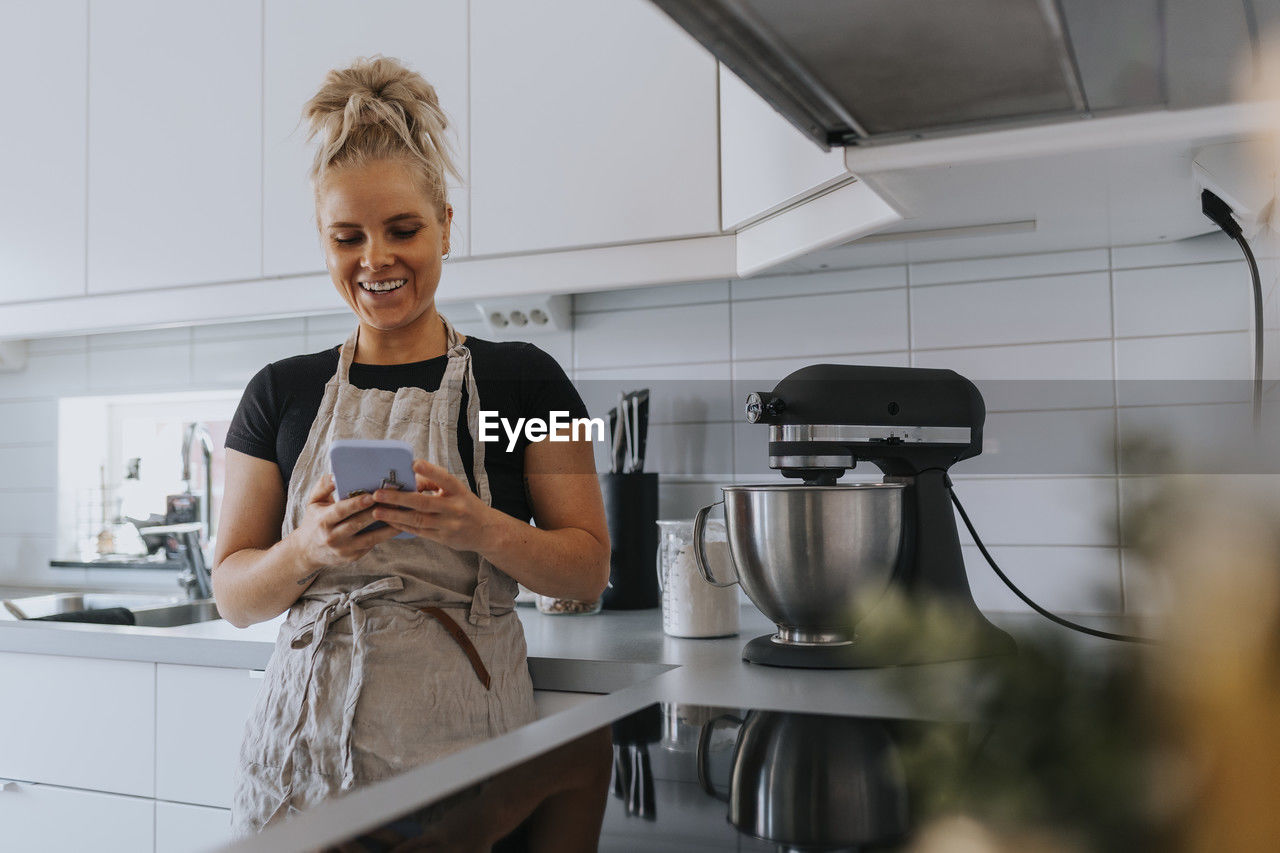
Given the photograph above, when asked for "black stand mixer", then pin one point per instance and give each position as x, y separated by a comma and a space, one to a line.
913, 424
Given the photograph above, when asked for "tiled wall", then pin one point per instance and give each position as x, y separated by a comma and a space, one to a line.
1138, 312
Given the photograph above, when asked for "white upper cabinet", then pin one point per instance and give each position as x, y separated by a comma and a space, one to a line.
175, 143
304, 39
591, 123
42, 56
765, 163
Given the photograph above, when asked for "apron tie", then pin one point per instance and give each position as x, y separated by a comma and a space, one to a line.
313, 634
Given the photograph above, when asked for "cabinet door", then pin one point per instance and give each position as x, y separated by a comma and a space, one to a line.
764, 161
200, 714
591, 123
181, 828
60, 820
79, 722
175, 143
42, 169
303, 40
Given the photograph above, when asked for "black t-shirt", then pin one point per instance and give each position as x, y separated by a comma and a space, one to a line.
516, 379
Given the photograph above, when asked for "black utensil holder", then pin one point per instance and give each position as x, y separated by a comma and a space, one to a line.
631, 509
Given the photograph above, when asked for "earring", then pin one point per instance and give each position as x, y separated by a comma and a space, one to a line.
445, 256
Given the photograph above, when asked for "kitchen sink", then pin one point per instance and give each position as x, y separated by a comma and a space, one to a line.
154, 611
184, 613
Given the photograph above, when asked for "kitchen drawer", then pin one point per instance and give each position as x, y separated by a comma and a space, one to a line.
52, 819
200, 715
79, 722
181, 828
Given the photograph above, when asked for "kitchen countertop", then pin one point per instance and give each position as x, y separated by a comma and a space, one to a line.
624, 655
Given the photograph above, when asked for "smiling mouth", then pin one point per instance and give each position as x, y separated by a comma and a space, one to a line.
383, 286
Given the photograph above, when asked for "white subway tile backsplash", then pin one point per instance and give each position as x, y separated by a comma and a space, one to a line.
1182, 300
674, 335
32, 466
326, 330
232, 363
1076, 442
678, 499
1031, 310
807, 284
31, 422
32, 511
49, 346
1209, 439
1064, 580
140, 369
61, 374
693, 293
1206, 248
140, 338
24, 559
1033, 376
1184, 369
1033, 331
692, 393
691, 451
870, 321
1010, 266
1053, 511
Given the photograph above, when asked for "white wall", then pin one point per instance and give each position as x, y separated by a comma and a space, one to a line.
1136, 312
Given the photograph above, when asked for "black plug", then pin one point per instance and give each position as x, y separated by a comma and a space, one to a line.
1219, 212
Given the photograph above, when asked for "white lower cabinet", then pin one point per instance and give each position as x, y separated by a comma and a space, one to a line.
79, 722
182, 828
200, 716
51, 819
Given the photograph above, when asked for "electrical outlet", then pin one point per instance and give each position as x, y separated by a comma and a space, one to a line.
527, 315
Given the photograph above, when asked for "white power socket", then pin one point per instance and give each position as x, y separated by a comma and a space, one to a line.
529, 314
1230, 171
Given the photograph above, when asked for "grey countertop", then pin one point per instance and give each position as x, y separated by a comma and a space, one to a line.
623, 655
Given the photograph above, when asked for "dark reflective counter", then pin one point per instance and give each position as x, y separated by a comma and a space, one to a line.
691, 777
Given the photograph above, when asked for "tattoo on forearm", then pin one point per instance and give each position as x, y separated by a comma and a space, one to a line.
308, 578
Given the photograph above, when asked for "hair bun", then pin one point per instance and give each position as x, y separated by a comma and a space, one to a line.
378, 109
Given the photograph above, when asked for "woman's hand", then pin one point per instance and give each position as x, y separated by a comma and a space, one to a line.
329, 533
443, 509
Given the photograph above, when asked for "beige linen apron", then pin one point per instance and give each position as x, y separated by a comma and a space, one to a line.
363, 683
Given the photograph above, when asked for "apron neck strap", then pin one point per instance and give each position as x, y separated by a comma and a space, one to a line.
453, 343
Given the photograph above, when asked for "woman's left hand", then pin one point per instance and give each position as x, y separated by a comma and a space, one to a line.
443, 509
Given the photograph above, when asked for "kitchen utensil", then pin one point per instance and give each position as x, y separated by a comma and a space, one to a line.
691, 607
810, 781
816, 557
631, 512
642, 426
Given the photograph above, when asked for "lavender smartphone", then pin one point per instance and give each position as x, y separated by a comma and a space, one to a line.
366, 465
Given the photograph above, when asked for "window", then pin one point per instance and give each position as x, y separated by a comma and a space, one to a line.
121, 457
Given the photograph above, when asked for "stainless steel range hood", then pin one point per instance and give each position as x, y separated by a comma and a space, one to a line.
857, 72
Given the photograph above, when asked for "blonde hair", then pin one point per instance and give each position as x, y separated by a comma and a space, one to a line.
377, 109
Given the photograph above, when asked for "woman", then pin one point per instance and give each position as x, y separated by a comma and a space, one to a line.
394, 651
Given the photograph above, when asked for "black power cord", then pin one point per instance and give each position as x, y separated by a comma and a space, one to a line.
1219, 212
1052, 617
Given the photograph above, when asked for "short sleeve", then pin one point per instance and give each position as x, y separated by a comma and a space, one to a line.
546, 388
256, 423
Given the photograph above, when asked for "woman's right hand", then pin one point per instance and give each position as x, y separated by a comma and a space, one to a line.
329, 532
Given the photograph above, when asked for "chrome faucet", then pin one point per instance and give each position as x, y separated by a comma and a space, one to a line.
194, 577
196, 431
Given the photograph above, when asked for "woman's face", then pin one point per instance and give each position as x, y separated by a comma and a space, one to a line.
383, 241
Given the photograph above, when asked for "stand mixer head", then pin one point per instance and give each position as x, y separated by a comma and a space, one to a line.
911, 423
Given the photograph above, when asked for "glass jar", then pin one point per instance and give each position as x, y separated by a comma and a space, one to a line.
566, 606
691, 607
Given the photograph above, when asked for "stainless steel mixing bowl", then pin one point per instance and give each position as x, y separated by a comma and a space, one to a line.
814, 559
